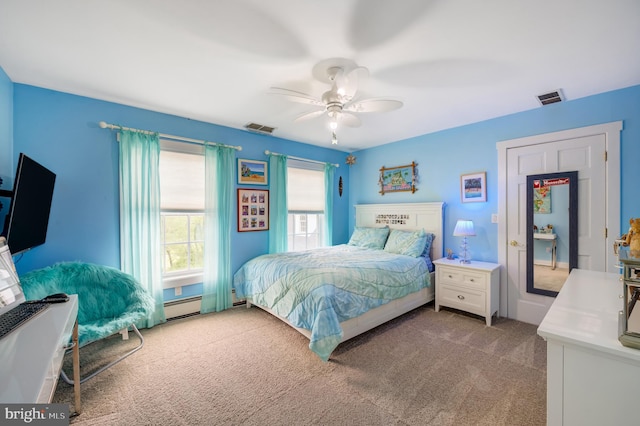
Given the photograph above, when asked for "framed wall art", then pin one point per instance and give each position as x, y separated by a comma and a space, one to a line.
398, 179
473, 187
252, 172
253, 210
541, 198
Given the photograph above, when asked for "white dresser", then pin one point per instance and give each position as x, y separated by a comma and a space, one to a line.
591, 378
471, 287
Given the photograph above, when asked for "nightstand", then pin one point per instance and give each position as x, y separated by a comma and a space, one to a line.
471, 287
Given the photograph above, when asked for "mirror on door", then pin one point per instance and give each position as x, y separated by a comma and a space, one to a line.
552, 230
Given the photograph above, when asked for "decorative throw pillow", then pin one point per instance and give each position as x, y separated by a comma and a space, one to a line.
409, 243
427, 245
369, 237
426, 254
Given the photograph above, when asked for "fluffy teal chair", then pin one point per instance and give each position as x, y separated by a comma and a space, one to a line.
109, 301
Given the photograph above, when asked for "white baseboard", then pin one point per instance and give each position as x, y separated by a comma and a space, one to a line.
179, 308
182, 307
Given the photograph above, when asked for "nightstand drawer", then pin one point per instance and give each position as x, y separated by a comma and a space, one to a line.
467, 278
461, 298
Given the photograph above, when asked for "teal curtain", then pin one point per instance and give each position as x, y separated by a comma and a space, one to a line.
278, 204
140, 251
329, 172
219, 206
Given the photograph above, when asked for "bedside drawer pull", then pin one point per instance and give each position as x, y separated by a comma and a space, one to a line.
450, 276
472, 280
461, 297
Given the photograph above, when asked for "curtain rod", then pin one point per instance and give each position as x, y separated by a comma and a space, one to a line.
104, 125
267, 152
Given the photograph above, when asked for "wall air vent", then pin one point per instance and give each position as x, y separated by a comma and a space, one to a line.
259, 128
550, 98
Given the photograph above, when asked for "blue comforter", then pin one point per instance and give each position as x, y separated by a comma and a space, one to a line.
317, 289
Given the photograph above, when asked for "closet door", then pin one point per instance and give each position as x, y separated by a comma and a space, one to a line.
583, 153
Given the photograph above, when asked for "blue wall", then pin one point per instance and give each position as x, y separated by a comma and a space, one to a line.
61, 132
6, 140
443, 156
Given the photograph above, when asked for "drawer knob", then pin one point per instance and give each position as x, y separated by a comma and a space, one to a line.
472, 280
461, 297
450, 276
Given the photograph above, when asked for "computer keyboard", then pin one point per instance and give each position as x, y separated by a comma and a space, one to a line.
17, 316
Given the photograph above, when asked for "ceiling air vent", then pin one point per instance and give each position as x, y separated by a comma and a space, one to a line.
550, 98
259, 128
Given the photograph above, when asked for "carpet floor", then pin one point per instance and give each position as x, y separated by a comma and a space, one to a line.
245, 367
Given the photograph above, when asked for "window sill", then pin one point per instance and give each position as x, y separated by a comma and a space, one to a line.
182, 280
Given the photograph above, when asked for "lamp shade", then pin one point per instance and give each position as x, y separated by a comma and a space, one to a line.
464, 228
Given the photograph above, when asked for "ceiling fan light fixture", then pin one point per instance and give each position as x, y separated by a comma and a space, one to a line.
339, 103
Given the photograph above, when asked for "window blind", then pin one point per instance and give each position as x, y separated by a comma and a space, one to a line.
305, 187
181, 181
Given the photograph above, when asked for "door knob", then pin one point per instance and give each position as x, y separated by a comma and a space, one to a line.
514, 243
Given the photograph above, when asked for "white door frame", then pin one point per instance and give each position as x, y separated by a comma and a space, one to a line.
611, 198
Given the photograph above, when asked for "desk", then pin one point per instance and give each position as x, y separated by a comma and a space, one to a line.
31, 356
548, 237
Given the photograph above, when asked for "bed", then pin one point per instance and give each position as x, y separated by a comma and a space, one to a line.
333, 294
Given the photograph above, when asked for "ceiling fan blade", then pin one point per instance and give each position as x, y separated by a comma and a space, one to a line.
349, 119
295, 96
309, 115
374, 105
347, 84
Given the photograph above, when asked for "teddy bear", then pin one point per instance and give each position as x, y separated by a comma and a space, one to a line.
633, 237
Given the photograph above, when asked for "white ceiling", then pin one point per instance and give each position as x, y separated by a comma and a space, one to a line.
451, 62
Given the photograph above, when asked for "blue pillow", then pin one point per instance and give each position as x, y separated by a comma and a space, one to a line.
409, 243
426, 254
427, 245
374, 238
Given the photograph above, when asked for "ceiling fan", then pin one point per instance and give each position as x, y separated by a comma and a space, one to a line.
339, 103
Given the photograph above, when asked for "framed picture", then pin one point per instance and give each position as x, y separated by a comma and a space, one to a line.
473, 187
541, 197
253, 210
252, 172
398, 179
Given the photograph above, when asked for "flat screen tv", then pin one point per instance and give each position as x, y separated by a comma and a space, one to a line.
28, 218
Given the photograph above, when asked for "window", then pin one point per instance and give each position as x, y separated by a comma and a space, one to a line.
182, 213
305, 200
182, 242
305, 231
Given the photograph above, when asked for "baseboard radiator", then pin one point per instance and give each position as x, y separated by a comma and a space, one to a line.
190, 306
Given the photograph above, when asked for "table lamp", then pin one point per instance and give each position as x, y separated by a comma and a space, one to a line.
464, 229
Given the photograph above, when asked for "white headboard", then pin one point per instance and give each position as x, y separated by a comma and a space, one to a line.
406, 216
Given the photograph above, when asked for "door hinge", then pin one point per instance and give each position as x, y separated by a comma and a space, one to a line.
605, 156
606, 233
